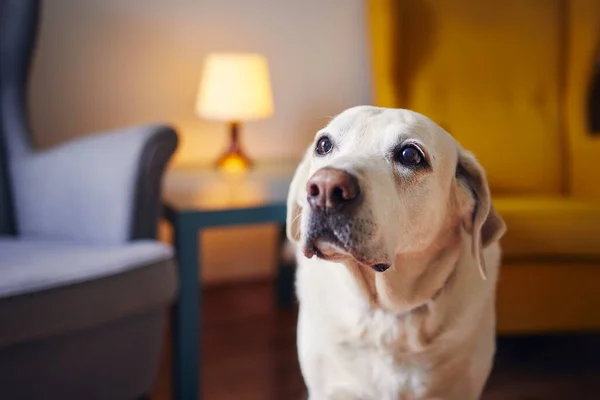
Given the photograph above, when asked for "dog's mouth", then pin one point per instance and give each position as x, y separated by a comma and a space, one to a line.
327, 246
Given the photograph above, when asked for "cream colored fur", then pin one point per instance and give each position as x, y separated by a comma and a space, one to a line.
424, 328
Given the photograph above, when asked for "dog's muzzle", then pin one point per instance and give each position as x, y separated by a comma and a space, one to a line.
333, 196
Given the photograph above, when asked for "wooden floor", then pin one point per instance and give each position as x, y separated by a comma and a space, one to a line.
250, 354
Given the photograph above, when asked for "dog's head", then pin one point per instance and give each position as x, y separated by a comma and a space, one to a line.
379, 187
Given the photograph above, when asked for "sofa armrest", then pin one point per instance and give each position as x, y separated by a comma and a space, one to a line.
100, 188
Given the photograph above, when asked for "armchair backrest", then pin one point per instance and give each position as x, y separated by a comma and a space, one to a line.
509, 79
18, 29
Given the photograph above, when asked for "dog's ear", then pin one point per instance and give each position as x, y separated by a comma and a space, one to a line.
296, 191
484, 224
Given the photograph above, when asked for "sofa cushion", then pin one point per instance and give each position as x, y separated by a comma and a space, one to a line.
549, 227
50, 288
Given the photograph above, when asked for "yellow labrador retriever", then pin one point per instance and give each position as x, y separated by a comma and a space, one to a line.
398, 257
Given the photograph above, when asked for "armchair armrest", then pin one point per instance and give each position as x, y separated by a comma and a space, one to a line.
100, 188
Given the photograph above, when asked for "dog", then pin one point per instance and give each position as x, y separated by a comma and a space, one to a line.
397, 248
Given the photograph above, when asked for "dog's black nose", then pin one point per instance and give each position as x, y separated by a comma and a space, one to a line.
331, 189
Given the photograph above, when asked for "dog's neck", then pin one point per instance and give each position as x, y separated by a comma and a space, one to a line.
414, 279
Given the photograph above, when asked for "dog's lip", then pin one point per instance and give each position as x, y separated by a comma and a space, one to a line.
325, 247
380, 267
329, 248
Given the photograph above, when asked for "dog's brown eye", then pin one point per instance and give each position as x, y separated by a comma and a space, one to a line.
324, 145
409, 155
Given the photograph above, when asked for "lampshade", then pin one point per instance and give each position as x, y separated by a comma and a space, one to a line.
235, 87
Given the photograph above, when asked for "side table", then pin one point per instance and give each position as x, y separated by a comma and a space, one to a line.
197, 198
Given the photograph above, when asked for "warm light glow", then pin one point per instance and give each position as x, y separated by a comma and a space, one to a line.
233, 164
235, 87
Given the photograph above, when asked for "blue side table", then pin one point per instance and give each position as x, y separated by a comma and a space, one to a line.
197, 198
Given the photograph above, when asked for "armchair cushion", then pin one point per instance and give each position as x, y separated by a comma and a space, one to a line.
90, 189
49, 288
31, 265
550, 227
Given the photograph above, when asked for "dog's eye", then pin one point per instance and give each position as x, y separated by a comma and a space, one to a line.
324, 146
409, 155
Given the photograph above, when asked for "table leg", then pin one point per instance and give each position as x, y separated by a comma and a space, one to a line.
285, 275
186, 322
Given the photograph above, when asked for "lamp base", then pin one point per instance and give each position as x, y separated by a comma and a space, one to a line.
234, 159
233, 162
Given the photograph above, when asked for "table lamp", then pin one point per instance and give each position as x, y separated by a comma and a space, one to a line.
234, 87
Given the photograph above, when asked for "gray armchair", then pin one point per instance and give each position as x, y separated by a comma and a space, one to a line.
84, 284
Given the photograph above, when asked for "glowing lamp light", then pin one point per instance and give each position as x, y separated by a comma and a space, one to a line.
235, 87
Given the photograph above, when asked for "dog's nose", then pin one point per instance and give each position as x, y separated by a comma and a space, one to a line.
331, 189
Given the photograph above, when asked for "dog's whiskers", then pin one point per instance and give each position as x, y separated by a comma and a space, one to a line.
296, 218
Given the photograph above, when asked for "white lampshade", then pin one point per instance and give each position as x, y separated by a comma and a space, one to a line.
235, 87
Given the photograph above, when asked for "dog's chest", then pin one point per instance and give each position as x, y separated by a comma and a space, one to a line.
344, 342
392, 350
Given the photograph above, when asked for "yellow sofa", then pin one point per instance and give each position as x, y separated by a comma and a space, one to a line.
510, 79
